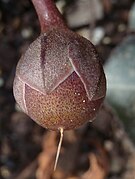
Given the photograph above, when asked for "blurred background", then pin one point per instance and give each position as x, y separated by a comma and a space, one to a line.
104, 149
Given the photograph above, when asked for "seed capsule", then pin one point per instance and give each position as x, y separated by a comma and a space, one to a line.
59, 79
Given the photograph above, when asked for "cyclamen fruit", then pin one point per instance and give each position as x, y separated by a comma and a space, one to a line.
59, 80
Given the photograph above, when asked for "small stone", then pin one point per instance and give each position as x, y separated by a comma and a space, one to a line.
84, 12
106, 40
97, 35
5, 172
120, 74
60, 5
108, 145
85, 32
121, 27
17, 108
132, 18
26, 33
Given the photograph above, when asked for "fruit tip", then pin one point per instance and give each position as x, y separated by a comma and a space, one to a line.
59, 147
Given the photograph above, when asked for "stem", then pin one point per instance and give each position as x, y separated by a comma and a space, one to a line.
48, 14
59, 147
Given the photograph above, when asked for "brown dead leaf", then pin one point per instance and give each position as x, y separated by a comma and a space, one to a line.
47, 157
95, 171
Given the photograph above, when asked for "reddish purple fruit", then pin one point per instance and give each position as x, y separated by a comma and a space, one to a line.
59, 80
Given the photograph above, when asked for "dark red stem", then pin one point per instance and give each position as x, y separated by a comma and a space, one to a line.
48, 14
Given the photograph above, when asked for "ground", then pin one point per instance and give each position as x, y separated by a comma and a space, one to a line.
100, 150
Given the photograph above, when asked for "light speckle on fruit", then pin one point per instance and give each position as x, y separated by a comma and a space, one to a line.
61, 108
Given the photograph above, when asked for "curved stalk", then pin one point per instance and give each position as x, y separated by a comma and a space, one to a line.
48, 14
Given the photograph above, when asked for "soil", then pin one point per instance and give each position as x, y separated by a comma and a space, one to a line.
99, 150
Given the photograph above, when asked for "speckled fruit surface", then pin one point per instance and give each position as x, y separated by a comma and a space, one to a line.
67, 106
59, 80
